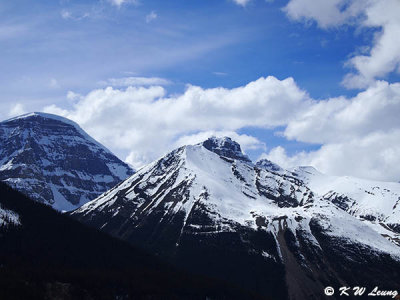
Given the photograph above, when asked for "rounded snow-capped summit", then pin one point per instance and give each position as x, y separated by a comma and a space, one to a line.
226, 147
54, 161
40, 117
36, 114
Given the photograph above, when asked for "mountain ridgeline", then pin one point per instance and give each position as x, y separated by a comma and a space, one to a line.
285, 234
52, 160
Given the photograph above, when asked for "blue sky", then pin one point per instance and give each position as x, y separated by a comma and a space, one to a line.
188, 42
55, 54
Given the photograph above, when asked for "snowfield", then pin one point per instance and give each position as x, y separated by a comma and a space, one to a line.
235, 191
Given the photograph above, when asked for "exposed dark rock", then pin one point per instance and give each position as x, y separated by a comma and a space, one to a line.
55, 162
225, 147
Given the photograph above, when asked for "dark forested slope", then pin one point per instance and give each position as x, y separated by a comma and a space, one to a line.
47, 255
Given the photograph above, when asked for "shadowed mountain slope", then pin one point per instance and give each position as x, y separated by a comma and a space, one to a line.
47, 255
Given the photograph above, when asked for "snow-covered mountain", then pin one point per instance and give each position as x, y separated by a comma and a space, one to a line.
278, 232
375, 203
52, 160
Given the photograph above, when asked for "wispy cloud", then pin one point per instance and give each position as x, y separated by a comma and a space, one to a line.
119, 3
65, 14
135, 81
220, 73
68, 15
241, 2
54, 83
151, 17
12, 31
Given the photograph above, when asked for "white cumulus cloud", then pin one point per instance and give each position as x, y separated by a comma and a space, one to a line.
375, 156
16, 110
383, 15
376, 109
148, 123
360, 136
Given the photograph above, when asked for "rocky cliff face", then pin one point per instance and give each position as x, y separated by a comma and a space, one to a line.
54, 161
209, 209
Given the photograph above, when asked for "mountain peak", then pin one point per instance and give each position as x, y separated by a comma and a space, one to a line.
307, 170
225, 146
54, 161
268, 165
43, 115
